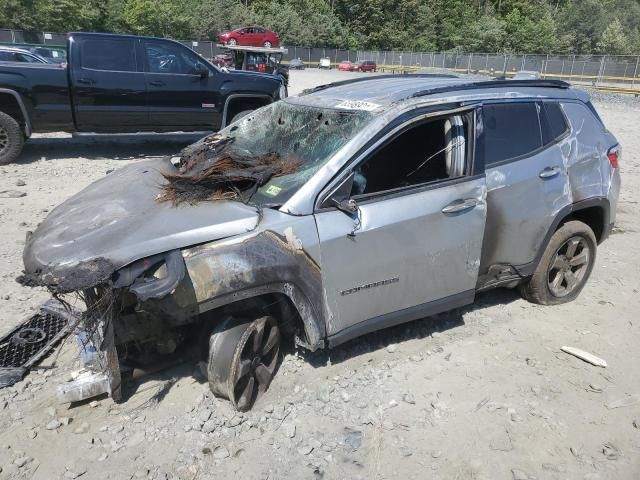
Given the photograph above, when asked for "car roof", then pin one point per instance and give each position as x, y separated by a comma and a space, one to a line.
14, 49
386, 90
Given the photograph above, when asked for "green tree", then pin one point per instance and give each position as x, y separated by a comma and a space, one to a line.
613, 40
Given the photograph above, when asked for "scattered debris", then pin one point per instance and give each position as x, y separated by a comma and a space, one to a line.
12, 194
32, 340
586, 356
20, 183
610, 451
624, 402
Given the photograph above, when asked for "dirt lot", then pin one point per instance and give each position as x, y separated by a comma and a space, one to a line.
479, 393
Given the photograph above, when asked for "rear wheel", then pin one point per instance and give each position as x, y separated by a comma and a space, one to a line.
267, 44
11, 139
565, 266
243, 356
239, 115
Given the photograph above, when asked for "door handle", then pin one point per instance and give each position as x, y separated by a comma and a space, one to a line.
460, 206
157, 83
86, 81
549, 172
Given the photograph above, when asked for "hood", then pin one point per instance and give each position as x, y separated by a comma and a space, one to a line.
253, 75
116, 220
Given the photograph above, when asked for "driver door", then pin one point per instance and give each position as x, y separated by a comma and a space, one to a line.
411, 246
178, 95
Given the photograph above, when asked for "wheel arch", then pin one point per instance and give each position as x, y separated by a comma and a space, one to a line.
238, 102
11, 103
594, 212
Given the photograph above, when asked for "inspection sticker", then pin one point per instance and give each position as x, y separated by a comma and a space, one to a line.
358, 105
272, 191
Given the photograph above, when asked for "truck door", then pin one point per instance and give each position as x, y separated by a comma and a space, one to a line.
182, 89
107, 86
411, 247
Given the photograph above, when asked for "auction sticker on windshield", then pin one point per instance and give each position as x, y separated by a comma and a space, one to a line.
358, 105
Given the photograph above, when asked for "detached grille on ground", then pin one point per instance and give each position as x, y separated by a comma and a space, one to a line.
33, 340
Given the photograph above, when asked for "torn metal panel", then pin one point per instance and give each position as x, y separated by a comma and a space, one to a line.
116, 221
33, 339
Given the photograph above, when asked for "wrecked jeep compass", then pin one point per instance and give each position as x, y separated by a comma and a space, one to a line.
353, 207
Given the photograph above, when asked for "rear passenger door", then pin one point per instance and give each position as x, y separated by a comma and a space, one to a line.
107, 85
526, 182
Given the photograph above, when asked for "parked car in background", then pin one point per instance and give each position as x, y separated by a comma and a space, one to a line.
252, 36
366, 66
125, 84
346, 66
325, 62
296, 64
526, 75
10, 54
52, 55
223, 60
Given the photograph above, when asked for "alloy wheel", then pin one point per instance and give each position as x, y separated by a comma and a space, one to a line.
4, 140
569, 266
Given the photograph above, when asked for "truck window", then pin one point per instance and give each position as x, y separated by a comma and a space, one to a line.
111, 54
166, 57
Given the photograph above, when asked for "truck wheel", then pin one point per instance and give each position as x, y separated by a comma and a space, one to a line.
243, 355
239, 115
11, 139
564, 267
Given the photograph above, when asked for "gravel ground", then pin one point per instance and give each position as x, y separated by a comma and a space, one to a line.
482, 392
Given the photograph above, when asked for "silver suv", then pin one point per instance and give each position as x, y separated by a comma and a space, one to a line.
367, 203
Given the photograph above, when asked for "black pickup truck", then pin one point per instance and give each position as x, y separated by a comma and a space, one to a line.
123, 84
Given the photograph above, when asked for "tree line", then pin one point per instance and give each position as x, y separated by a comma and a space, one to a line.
503, 26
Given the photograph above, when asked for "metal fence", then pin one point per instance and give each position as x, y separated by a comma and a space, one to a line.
615, 72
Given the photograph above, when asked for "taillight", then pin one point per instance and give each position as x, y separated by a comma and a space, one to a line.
614, 156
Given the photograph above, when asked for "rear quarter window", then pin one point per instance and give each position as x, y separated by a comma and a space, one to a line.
553, 122
511, 130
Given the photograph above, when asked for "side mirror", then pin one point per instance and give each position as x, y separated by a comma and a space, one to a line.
201, 71
339, 197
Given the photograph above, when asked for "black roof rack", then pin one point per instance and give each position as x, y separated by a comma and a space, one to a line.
376, 77
493, 84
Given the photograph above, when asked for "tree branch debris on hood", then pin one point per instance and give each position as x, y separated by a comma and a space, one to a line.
211, 170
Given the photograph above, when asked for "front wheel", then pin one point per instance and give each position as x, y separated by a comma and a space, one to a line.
565, 266
11, 139
243, 356
267, 44
232, 41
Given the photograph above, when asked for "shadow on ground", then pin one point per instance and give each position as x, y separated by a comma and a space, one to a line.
109, 147
417, 329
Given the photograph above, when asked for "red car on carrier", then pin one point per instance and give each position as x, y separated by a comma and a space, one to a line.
251, 36
346, 66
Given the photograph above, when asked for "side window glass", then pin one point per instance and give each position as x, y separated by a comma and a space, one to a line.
7, 56
430, 151
511, 130
169, 58
554, 125
108, 54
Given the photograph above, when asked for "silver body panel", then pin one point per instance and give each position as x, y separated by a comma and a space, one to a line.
404, 254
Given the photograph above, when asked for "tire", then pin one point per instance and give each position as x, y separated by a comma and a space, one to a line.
239, 115
243, 358
565, 266
232, 41
11, 139
267, 44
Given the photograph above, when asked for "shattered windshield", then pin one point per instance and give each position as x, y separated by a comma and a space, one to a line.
264, 158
